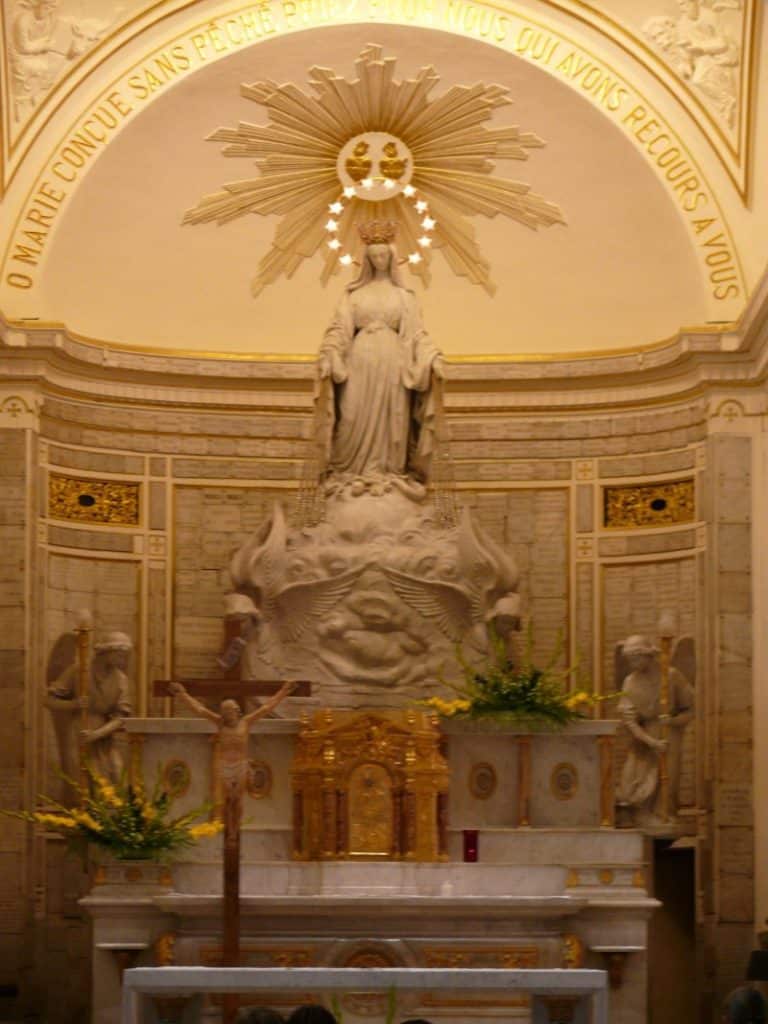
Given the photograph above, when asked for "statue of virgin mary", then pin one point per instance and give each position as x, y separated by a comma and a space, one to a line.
375, 586
380, 412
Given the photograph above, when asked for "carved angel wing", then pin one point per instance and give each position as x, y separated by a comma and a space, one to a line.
258, 564
684, 658
483, 562
63, 655
620, 665
453, 612
300, 603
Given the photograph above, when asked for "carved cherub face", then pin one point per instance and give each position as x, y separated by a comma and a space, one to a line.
379, 255
230, 712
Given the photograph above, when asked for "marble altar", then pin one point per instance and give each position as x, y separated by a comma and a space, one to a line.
541, 895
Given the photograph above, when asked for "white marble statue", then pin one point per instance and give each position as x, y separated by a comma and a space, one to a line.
383, 366
42, 43
370, 601
637, 665
697, 44
90, 722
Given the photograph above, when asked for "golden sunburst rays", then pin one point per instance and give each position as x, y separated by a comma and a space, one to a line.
374, 142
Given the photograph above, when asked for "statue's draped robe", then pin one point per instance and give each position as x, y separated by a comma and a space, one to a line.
382, 416
640, 702
108, 698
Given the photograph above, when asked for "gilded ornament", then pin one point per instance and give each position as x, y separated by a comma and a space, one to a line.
93, 501
573, 953
380, 794
358, 165
507, 957
164, 949
392, 165
635, 506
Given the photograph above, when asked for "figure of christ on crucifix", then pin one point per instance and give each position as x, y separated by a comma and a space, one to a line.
234, 728
235, 770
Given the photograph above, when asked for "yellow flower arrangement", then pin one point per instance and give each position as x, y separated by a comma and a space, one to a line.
518, 693
207, 828
121, 818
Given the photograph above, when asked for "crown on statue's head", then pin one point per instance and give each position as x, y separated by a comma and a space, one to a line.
377, 232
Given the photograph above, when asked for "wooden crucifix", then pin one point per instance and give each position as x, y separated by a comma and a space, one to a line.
234, 767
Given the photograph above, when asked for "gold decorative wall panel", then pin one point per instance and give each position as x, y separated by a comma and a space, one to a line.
637, 506
93, 501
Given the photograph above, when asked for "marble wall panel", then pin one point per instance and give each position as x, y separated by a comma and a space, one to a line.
499, 809
89, 540
14, 724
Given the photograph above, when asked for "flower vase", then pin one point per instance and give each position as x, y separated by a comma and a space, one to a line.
129, 877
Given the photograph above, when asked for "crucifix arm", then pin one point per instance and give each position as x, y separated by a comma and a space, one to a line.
271, 704
178, 691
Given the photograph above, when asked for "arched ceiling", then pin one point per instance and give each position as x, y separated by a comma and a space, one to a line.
631, 265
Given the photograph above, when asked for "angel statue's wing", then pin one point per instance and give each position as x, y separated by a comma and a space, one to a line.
258, 564
63, 655
482, 561
299, 604
620, 666
450, 608
62, 660
684, 658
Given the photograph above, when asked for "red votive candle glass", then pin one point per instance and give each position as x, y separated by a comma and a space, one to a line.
470, 845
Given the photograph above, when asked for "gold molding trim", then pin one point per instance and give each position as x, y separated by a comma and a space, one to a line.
705, 329
82, 500
639, 506
509, 957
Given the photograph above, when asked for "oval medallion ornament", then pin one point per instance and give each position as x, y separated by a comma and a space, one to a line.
482, 780
176, 777
259, 780
564, 781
